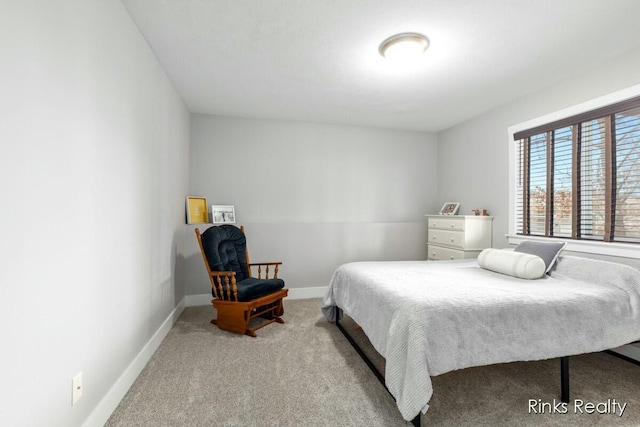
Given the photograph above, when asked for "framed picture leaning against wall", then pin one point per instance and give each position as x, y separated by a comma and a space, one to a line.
197, 212
223, 214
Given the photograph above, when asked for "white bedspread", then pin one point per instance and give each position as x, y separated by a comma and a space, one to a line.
427, 318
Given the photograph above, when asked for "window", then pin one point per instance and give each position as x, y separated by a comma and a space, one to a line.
579, 177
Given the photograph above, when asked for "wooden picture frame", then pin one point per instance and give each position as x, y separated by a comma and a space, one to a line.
197, 212
450, 208
223, 214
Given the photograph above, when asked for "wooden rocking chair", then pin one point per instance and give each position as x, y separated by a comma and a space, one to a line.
237, 296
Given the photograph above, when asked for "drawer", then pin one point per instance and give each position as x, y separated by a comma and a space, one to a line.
447, 238
440, 253
447, 223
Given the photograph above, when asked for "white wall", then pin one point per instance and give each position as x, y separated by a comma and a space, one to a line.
93, 174
314, 196
477, 150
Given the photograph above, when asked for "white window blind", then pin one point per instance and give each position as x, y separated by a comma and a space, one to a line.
537, 184
592, 180
562, 182
627, 197
579, 177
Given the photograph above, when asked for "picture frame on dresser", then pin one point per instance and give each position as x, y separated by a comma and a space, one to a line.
450, 208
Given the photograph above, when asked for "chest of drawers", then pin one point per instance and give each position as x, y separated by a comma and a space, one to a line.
458, 236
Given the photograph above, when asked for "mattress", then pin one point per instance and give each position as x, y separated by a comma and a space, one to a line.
427, 318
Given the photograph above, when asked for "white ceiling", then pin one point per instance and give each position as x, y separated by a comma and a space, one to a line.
318, 61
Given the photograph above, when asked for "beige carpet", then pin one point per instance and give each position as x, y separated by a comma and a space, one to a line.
305, 373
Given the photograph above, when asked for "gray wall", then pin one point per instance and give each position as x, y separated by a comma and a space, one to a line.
93, 174
314, 196
476, 152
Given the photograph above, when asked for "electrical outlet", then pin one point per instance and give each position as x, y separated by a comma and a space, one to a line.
76, 384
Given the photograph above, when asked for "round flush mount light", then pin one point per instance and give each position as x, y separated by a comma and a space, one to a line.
404, 46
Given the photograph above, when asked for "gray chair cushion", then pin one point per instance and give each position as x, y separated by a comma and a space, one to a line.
252, 288
225, 247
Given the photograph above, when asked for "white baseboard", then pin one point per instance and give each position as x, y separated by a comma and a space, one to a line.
294, 293
110, 401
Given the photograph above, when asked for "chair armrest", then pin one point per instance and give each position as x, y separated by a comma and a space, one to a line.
266, 264
224, 282
224, 273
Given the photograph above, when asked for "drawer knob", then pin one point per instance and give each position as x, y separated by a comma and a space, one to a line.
435, 237
452, 225
452, 239
451, 258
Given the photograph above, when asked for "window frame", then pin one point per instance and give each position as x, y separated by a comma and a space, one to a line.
626, 250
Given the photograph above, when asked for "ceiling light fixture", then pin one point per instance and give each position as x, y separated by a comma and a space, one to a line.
404, 46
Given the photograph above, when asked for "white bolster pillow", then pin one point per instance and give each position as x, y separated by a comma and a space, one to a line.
517, 264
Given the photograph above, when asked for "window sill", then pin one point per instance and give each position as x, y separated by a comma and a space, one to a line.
624, 250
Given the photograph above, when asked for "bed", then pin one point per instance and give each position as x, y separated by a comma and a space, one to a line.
427, 318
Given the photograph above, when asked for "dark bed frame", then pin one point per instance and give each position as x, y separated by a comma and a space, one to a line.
564, 366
